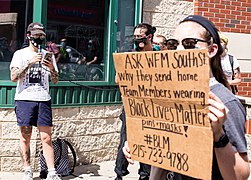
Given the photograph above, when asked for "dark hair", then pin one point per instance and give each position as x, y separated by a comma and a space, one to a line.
149, 29
211, 32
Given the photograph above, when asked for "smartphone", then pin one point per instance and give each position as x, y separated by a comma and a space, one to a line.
48, 56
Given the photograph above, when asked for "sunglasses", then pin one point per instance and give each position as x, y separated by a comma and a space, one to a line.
187, 43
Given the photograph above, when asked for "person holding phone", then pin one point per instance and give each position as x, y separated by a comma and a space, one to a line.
32, 70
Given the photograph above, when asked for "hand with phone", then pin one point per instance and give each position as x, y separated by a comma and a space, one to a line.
47, 60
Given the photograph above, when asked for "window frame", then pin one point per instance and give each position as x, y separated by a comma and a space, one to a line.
7, 87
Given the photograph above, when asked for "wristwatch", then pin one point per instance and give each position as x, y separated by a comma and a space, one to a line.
223, 141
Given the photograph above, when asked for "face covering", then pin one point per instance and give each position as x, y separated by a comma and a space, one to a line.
140, 43
156, 47
36, 41
63, 44
223, 46
90, 46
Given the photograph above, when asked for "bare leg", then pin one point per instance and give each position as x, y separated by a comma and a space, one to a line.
45, 134
25, 137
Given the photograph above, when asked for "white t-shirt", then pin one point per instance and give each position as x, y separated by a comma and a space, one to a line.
226, 66
34, 86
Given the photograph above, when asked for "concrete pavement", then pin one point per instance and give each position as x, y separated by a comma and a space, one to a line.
96, 171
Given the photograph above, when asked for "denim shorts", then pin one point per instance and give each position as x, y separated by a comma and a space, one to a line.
33, 113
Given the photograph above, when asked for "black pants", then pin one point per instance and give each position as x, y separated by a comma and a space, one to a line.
121, 162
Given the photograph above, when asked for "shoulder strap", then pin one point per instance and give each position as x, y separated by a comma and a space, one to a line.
231, 59
74, 155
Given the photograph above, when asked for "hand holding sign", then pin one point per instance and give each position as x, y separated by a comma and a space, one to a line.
165, 98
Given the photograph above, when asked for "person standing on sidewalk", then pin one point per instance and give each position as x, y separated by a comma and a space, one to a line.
230, 65
143, 39
32, 98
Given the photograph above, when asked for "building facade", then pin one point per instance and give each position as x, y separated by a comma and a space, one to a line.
87, 102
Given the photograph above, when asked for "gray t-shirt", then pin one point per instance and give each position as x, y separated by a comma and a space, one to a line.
235, 129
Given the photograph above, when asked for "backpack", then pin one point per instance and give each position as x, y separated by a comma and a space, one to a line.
61, 159
233, 87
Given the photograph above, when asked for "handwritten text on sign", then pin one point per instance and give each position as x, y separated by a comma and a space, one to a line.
165, 98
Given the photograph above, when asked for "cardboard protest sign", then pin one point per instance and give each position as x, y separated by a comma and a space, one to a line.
165, 96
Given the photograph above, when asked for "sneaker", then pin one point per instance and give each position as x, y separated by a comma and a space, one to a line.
28, 175
118, 178
53, 177
143, 178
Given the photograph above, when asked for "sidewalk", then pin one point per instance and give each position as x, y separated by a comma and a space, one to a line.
97, 171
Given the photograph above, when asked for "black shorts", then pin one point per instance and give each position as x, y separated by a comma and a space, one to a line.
33, 113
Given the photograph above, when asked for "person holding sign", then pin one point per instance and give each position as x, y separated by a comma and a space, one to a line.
226, 114
143, 38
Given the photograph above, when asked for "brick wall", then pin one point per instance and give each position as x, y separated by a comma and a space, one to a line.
244, 88
228, 15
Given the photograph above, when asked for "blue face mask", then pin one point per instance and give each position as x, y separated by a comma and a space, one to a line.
63, 44
156, 47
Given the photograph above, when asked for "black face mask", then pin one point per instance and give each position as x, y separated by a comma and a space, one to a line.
36, 41
140, 43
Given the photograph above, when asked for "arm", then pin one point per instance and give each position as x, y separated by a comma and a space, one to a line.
126, 151
54, 73
17, 73
237, 77
93, 61
232, 164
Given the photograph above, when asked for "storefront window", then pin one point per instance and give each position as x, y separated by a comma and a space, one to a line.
125, 25
77, 29
14, 17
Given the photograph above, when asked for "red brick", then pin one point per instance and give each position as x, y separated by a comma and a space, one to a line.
241, 18
242, 93
208, 14
235, 30
205, 9
213, 10
231, 16
220, 6
245, 22
241, 26
248, 126
220, 15
239, 8
246, 88
236, 12
236, 3
225, 11
215, 20
225, 2
243, 84
244, 75
243, 13
248, 4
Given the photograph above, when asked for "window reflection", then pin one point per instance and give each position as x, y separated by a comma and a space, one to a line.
14, 17
77, 30
125, 25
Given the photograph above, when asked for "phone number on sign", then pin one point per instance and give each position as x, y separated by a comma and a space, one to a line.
175, 159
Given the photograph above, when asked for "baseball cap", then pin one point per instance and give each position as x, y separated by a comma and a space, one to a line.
36, 28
